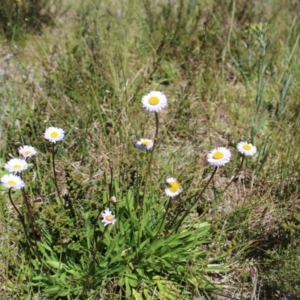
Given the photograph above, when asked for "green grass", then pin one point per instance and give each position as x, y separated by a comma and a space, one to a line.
230, 73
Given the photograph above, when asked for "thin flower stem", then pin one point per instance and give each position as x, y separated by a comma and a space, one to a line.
165, 214
237, 172
148, 171
30, 215
196, 199
54, 173
20, 215
94, 259
96, 221
33, 246
111, 184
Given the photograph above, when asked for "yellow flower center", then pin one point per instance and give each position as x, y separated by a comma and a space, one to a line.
174, 186
218, 155
27, 152
11, 182
145, 143
109, 218
153, 100
54, 134
17, 167
247, 147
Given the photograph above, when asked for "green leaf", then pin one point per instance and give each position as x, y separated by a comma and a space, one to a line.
132, 279
49, 256
166, 262
89, 230
52, 290
127, 288
55, 264
121, 281
216, 268
156, 245
144, 244
136, 295
147, 295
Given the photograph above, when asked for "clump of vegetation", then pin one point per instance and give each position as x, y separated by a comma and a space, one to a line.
154, 250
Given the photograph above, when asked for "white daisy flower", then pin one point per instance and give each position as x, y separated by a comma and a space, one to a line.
54, 134
154, 101
144, 144
246, 149
174, 188
27, 151
12, 181
219, 156
16, 165
108, 217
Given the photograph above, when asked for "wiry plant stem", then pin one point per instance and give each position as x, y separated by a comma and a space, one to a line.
111, 184
94, 259
30, 214
54, 174
237, 172
165, 214
148, 171
33, 246
20, 215
196, 199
